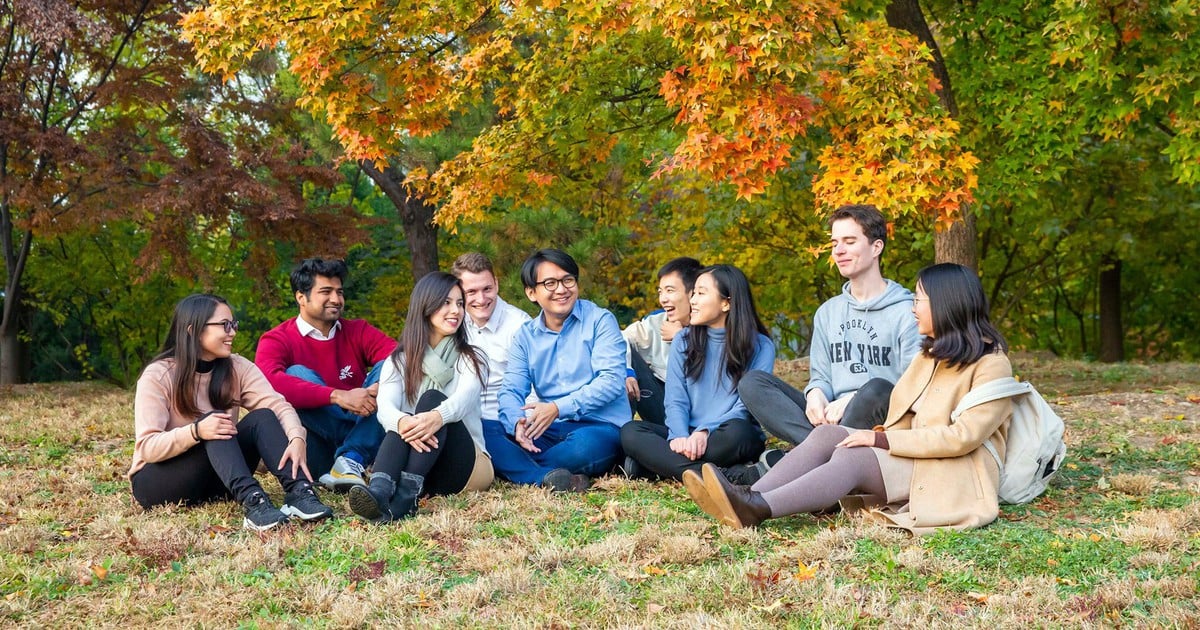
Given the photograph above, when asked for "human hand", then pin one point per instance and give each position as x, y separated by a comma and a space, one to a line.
814, 409
216, 426
691, 447
858, 438
670, 329
835, 409
538, 418
358, 401
521, 435
632, 388
297, 454
420, 430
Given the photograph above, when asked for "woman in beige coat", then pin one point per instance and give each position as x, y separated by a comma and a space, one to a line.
929, 472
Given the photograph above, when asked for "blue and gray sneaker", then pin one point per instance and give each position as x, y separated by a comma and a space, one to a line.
345, 474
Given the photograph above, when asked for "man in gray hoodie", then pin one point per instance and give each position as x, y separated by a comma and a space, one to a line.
862, 341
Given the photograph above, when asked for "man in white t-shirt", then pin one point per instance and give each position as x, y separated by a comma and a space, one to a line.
492, 324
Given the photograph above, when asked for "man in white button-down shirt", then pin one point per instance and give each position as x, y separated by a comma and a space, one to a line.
492, 323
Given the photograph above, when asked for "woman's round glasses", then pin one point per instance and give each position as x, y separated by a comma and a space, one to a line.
230, 325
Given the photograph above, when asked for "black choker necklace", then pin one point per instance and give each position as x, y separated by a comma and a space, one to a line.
204, 367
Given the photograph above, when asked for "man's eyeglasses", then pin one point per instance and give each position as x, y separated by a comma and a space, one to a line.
230, 325
567, 282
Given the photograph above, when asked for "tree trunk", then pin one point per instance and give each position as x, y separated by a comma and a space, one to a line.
416, 217
958, 244
10, 346
11, 309
1112, 333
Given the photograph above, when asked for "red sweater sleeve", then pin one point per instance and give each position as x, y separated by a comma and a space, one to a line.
277, 351
376, 345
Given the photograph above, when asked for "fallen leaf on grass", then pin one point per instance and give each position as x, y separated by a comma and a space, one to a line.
654, 609
99, 571
760, 579
610, 512
650, 569
1102, 483
213, 530
1051, 562
1194, 399
776, 605
368, 571
804, 572
979, 598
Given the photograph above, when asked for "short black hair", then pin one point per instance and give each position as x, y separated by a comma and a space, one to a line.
868, 217
550, 255
687, 268
304, 275
962, 331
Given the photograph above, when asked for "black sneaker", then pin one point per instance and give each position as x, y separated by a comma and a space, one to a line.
742, 474
634, 470
557, 480
303, 503
768, 459
261, 514
579, 483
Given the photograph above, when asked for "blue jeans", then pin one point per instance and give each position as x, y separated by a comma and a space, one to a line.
586, 447
334, 432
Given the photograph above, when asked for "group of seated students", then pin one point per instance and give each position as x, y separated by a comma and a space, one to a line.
475, 389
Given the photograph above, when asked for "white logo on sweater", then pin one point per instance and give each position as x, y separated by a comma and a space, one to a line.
345, 373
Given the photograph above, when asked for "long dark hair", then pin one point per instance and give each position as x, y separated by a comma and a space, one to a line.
183, 345
742, 326
427, 297
962, 332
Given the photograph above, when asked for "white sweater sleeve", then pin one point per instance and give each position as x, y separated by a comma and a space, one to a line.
463, 398
392, 400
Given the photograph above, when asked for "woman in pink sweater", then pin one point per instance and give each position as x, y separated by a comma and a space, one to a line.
190, 446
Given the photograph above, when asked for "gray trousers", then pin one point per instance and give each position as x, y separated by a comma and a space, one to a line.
779, 407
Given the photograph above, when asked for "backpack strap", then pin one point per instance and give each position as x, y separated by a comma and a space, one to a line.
992, 390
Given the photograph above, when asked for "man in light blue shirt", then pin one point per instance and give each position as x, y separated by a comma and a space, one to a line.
573, 355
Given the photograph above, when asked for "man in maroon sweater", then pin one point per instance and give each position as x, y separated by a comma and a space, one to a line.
327, 367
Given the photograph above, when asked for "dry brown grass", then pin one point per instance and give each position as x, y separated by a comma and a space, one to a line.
1117, 542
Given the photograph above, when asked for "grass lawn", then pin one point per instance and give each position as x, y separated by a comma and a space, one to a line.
1116, 541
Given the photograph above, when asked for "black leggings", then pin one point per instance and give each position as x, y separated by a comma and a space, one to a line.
735, 442
218, 469
651, 402
446, 469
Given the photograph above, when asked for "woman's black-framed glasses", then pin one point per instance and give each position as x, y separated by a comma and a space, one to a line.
567, 282
230, 325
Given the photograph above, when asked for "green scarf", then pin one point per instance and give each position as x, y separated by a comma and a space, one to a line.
437, 366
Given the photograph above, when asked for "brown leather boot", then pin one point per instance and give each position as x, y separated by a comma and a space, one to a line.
739, 506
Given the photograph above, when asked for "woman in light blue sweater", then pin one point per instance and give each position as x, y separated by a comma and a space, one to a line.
706, 421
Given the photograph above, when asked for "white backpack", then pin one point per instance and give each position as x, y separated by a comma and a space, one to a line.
1035, 447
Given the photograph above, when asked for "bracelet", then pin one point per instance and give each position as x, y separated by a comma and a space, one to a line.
196, 429
298, 438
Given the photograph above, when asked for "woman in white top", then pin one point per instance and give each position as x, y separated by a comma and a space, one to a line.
429, 404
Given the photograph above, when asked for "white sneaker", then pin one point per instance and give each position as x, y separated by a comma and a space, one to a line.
346, 474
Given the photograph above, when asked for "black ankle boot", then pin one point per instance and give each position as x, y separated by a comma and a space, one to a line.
373, 502
404, 502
